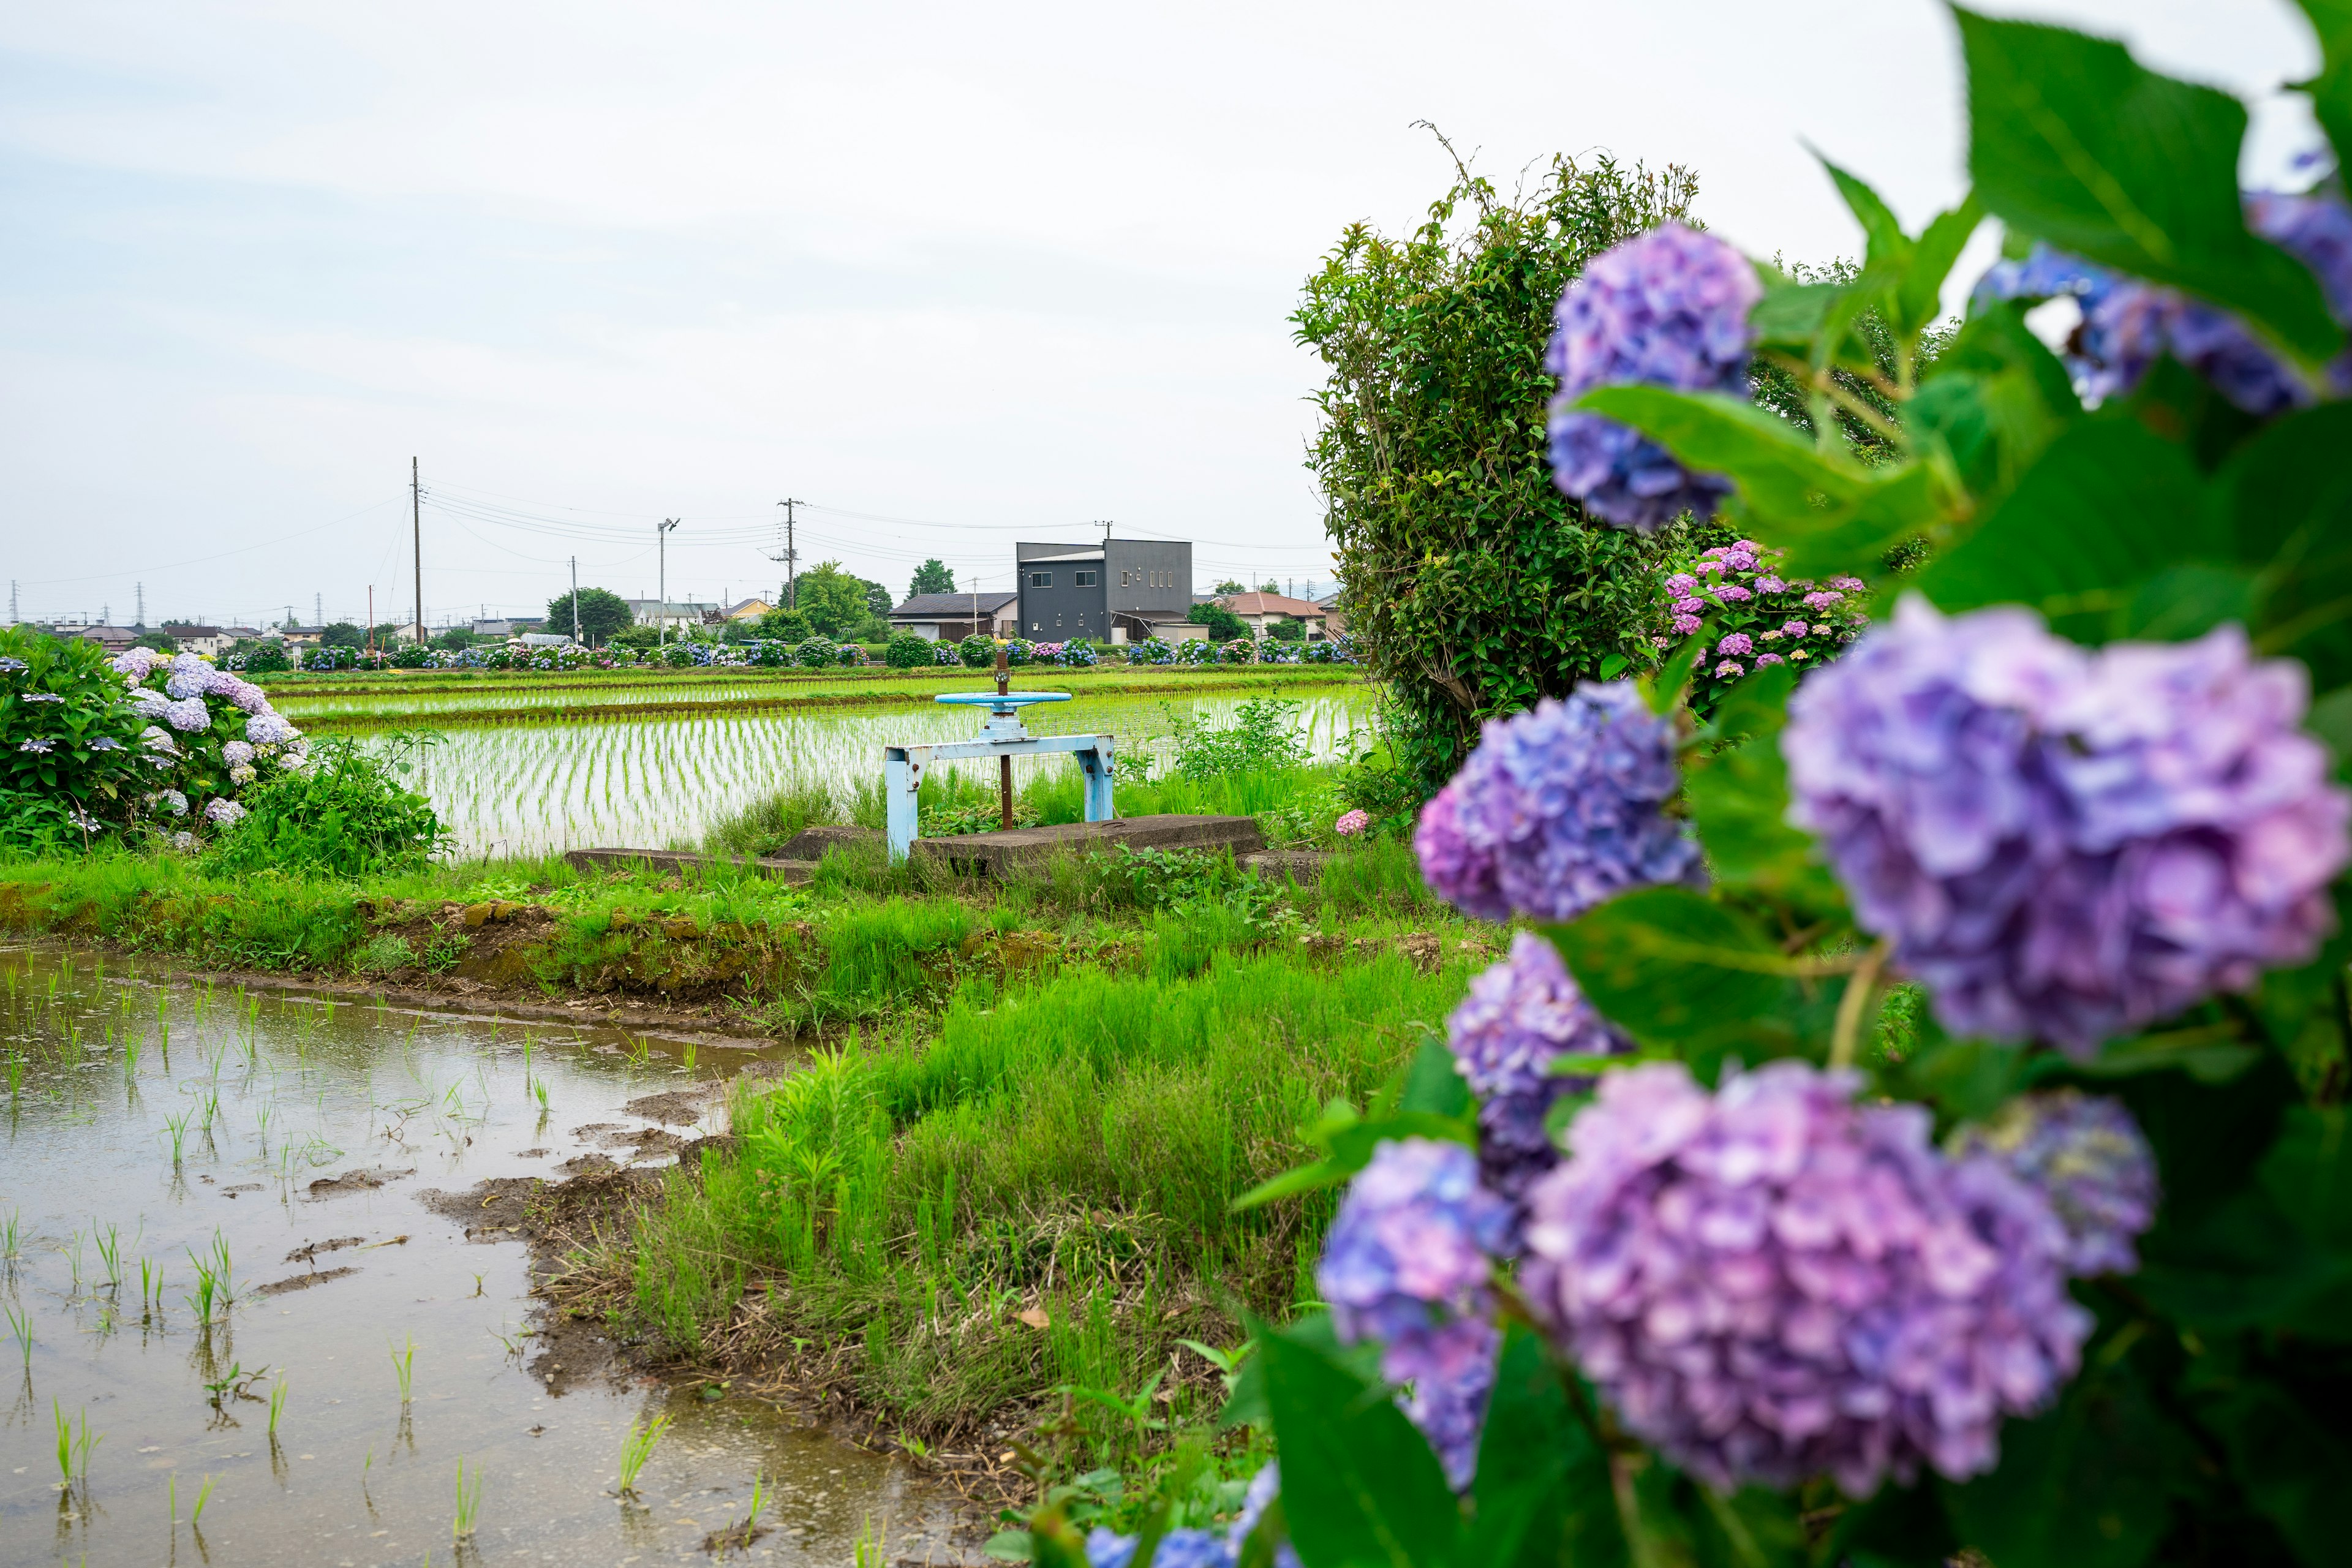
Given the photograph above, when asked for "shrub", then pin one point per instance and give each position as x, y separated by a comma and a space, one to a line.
68, 744
1020, 651
1262, 737
946, 653
815, 652
346, 814
407, 655
1222, 623
908, 651
848, 653
1479, 588
977, 651
1151, 650
268, 658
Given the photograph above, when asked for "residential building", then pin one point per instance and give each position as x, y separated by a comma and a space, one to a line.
541, 639
113, 639
955, 616
1258, 611
1335, 620
210, 641
677, 615
746, 610
1116, 590
509, 626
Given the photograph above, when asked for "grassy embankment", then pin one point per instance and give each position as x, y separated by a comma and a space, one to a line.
1010, 1166
363, 702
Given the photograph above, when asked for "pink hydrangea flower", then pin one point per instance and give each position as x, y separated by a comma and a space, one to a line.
1352, 823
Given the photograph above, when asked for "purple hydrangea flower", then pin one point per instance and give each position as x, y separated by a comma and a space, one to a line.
186, 683
1520, 1015
1178, 1549
235, 752
1771, 1282
1824, 599
268, 727
1686, 626
240, 694
1668, 308
1686, 606
185, 843
2316, 229
42, 697
1733, 594
188, 715
1764, 661
149, 703
2066, 845
35, 745
135, 662
225, 813
1848, 585
1738, 645
2085, 1154
1557, 808
1728, 669
1768, 584
1681, 584
1794, 628
1407, 1265
2127, 325
173, 802
106, 743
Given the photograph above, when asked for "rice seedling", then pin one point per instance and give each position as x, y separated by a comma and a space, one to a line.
277, 1405
203, 1496
469, 1500
151, 1290
540, 1089
20, 1329
636, 1448
178, 1128
213, 1283
75, 1443
404, 1367
109, 1253
10, 1237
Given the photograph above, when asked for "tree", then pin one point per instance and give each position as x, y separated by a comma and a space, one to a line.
833, 601
785, 626
456, 638
931, 577
1282, 628
341, 634
1269, 587
1229, 586
602, 614
1478, 588
1222, 623
879, 601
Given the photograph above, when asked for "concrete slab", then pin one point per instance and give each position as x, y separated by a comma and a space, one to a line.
992, 852
810, 843
685, 864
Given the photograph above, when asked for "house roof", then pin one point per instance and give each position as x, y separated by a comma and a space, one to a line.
742, 607
950, 606
1272, 605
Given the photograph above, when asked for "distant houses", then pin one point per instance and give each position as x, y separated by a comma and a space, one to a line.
1260, 611
677, 615
951, 617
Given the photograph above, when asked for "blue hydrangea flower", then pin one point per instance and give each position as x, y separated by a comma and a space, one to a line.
1407, 1265
1520, 1016
2085, 1154
1177, 1548
269, 729
1558, 809
2316, 229
1667, 308
1771, 1282
2065, 845
1264, 1488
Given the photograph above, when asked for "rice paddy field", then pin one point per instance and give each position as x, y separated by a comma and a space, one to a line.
661, 781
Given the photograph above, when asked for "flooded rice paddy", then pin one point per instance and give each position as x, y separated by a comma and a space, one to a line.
235, 1332
661, 783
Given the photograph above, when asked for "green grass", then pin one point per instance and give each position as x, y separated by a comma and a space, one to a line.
1073, 1142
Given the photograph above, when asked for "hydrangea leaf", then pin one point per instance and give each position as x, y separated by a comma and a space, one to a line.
2081, 1487
1898, 1527
2082, 529
1739, 800
1541, 1495
1674, 969
2285, 502
1359, 1485
2331, 89
2073, 141
1779, 473
1919, 296
2291, 1461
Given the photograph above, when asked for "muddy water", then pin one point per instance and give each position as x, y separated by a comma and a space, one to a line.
272, 1102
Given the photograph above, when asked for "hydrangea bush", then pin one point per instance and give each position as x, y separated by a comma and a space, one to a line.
1756, 615
1670, 1253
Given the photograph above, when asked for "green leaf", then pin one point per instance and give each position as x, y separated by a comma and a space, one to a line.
1433, 1085
2206, 1056
2077, 534
2082, 1486
1674, 969
1882, 231
2331, 89
1739, 800
1359, 1486
1777, 470
2071, 140
1541, 1496
2283, 499
1791, 313
1664, 693
1918, 295
2291, 1462
1898, 1527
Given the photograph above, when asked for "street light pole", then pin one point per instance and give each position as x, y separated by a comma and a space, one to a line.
661, 611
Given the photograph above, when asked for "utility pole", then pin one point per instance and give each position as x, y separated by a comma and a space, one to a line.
575, 599
317, 609
12, 600
789, 556
417, 537
371, 620
661, 542
142, 621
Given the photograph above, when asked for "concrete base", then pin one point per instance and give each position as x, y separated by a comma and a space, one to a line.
812, 842
1304, 867
993, 853
684, 864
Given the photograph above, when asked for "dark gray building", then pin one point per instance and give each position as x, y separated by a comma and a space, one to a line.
1115, 591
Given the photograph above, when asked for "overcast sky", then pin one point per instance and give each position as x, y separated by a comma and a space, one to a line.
952, 274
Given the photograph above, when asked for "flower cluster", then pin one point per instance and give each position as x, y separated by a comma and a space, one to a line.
2067, 845
199, 759
1520, 1016
1197, 1548
1667, 308
2086, 1155
1764, 618
1557, 809
1771, 1282
1352, 823
1407, 1265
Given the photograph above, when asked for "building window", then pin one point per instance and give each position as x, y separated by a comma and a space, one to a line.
1123, 579
1082, 579
1041, 579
